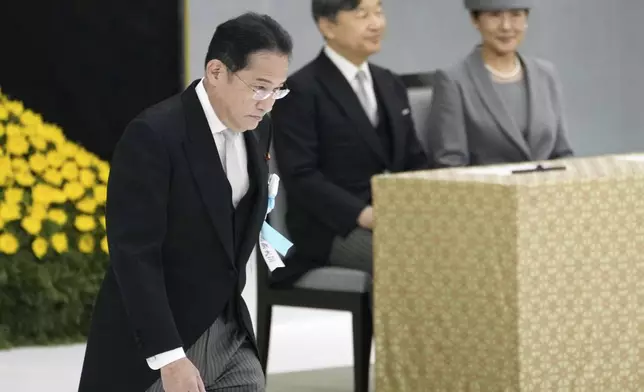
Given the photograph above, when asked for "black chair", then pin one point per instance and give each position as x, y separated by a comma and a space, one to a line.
417, 80
331, 288
419, 91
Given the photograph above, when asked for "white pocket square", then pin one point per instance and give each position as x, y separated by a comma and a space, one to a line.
405, 111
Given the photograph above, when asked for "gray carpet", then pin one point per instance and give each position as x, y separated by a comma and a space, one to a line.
326, 380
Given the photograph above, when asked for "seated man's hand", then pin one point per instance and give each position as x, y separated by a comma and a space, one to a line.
365, 219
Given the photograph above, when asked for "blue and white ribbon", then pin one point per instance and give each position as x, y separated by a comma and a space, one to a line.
271, 241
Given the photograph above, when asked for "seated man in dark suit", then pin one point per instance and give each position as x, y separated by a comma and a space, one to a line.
344, 121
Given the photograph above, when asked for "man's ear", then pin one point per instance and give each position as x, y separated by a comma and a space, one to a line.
215, 70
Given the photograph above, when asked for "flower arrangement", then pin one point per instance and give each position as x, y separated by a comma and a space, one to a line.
53, 245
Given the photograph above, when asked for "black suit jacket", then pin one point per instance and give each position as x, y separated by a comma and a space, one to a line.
178, 248
327, 151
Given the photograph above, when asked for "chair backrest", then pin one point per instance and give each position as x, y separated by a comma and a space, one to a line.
419, 91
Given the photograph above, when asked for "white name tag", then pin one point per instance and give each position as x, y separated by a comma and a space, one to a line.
271, 257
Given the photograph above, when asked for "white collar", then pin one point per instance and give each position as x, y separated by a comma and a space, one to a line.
214, 122
346, 67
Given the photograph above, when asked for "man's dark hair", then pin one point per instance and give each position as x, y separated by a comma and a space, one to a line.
236, 39
329, 8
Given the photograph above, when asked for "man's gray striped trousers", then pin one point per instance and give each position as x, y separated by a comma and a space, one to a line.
226, 358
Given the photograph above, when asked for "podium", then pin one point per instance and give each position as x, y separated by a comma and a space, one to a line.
486, 280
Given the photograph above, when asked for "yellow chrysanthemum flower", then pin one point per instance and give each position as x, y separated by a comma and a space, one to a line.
31, 224
102, 220
53, 177
39, 246
30, 118
5, 176
83, 158
57, 136
31, 130
4, 113
69, 149
1, 223
42, 193
104, 245
52, 133
14, 130
38, 211
57, 215
38, 162
103, 171
38, 142
2, 129
19, 165
85, 223
55, 159
58, 196
13, 195
15, 107
10, 212
17, 145
59, 242
69, 171
25, 179
100, 194
86, 243
74, 190
5, 171
87, 205
8, 243
87, 178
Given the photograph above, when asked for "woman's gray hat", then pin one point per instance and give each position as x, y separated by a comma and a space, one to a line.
497, 5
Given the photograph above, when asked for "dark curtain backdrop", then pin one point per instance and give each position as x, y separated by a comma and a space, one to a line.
91, 66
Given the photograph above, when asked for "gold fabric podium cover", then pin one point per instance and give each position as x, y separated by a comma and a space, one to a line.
511, 282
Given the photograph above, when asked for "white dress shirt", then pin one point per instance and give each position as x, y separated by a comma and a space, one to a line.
233, 155
350, 72
237, 172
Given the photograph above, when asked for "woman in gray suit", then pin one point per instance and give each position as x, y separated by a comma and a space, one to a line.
496, 106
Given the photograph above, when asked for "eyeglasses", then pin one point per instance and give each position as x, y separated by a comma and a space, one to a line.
262, 93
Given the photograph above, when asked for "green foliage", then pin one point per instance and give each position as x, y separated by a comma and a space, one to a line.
47, 302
